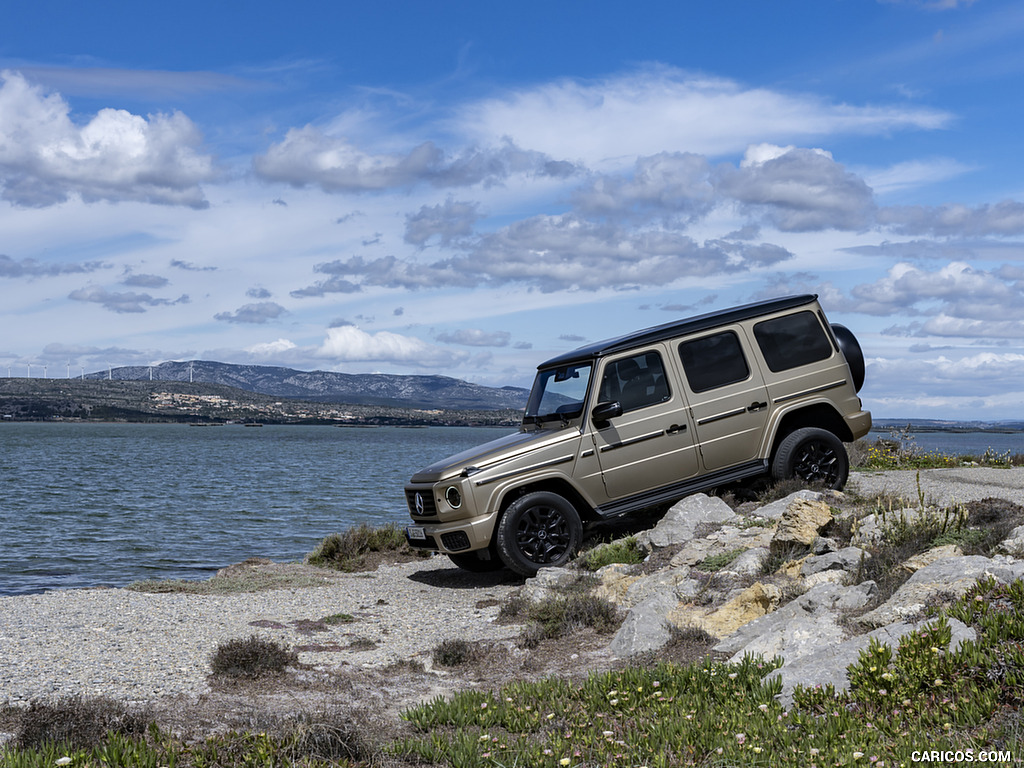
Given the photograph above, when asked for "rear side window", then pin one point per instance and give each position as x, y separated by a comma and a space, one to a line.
791, 341
713, 361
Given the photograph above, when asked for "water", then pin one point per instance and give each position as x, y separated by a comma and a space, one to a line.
962, 443
86, 505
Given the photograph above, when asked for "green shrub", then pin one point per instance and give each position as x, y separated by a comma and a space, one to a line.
564, 614
77, 722
452, 653
719, 561
251, 657
347, 551
622, 551
711, 714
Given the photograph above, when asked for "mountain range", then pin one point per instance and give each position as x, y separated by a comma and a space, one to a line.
330, 387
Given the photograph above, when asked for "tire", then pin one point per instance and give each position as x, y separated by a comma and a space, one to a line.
813, 455
472, 562
851, 350
538, 530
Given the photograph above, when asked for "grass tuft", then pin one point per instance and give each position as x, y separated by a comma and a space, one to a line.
79, 722
252, 657
454, 653
625, 551
349, 551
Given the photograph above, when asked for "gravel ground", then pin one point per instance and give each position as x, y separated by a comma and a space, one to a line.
943, 487
137, 646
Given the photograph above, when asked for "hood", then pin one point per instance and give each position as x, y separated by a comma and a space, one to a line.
482, 456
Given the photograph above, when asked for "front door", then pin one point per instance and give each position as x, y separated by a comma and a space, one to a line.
651, 444
728, 398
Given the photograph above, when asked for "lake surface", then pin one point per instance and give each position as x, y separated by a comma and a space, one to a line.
106, 504
961, 443
85, 505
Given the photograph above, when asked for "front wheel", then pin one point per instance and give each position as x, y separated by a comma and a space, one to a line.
538, 530
813, 455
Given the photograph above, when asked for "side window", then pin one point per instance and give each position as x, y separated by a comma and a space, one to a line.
713, 361
635, 382
791, 341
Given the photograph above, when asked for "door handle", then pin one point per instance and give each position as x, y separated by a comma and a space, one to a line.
756, 406
675, 428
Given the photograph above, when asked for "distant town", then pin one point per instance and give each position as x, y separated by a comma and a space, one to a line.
200, 403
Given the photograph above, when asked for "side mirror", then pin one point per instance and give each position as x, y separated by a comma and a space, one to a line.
606, 411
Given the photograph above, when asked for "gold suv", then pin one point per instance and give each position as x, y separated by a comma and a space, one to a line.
621, 425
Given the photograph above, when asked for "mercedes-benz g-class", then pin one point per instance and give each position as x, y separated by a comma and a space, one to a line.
765, 389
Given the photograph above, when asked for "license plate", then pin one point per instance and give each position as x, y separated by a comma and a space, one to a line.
415, 532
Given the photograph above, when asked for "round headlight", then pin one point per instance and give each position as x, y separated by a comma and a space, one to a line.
453, 497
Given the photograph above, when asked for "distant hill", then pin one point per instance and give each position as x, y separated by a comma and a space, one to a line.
330, 387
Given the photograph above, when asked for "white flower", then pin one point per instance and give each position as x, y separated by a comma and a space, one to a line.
63, 761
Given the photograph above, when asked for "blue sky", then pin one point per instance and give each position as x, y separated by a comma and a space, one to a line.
469, 188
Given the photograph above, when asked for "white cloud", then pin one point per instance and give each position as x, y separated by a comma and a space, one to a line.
271, 348
475, 337
348, 343
799, 190
956, 289
45, 158
257, 313
956, 220
914, 173
310, 156
122, 302
657, 110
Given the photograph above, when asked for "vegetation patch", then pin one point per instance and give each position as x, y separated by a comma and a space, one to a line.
625, 551
327, 737
338, 618
899, 450
78, 721
360, 548
252, 575
453, 653
719, 561
720, 714
250, 658
565, 614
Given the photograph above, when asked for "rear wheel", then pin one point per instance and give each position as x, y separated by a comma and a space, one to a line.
538, 530
813, 455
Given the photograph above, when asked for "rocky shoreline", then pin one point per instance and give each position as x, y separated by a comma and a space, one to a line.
141, 647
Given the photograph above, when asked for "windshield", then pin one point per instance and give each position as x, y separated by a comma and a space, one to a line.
559, 393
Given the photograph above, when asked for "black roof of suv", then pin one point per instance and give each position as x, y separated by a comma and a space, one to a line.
678, 328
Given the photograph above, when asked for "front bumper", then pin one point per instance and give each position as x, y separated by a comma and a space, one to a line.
453, 537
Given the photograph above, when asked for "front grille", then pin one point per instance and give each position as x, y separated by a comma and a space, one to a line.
429, 508
455, 540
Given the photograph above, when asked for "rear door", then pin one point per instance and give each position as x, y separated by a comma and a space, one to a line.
727, 394
651, 443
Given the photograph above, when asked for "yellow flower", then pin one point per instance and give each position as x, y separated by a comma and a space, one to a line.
564, 761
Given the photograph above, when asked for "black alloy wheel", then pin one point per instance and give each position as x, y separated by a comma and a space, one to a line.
815, 456
538, 529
